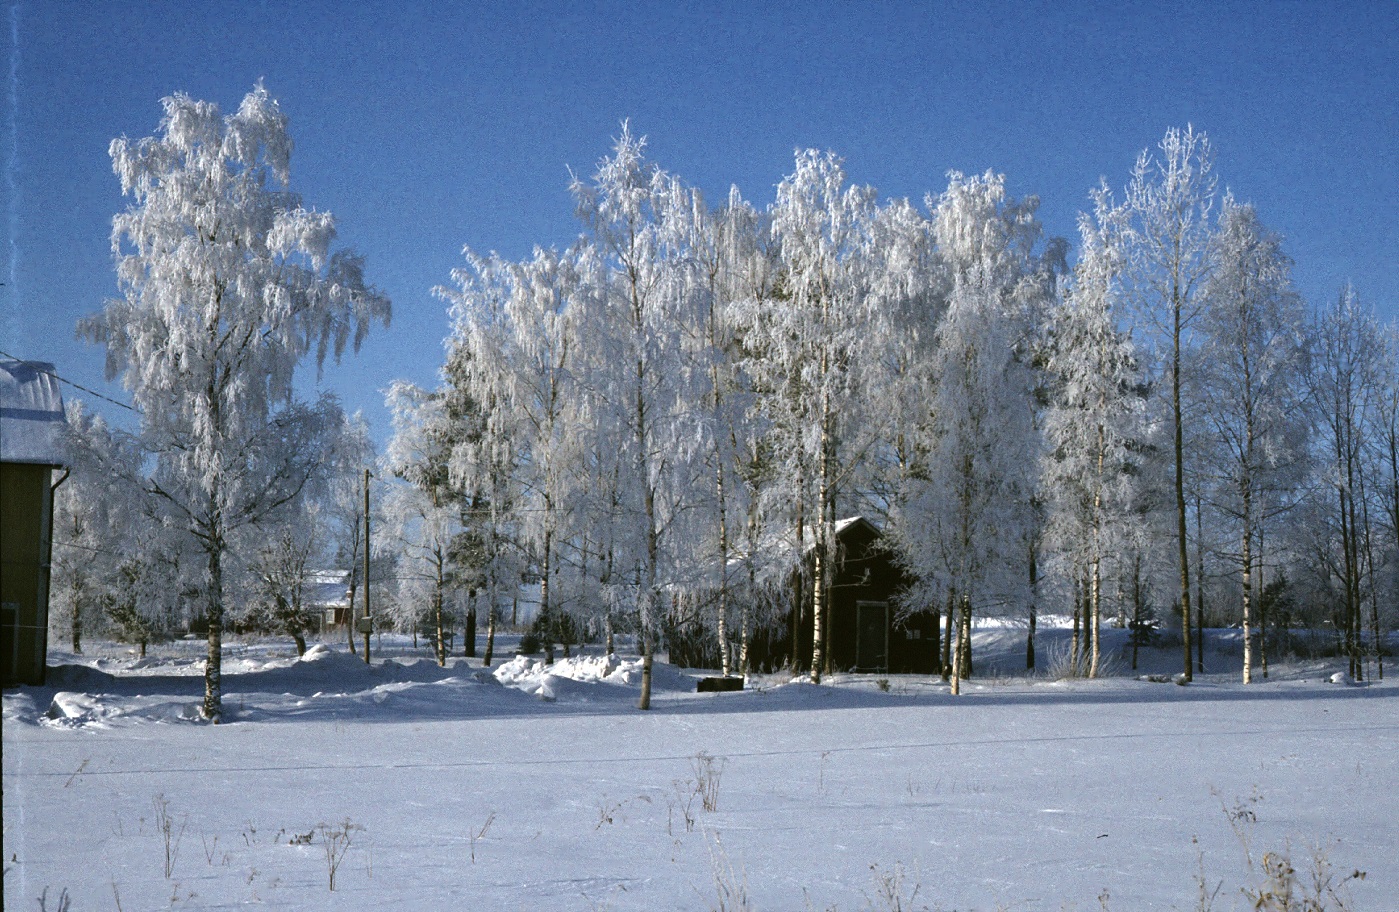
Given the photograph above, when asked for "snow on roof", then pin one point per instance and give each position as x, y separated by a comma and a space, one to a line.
327, 588
31, 413
780, 543
843, 524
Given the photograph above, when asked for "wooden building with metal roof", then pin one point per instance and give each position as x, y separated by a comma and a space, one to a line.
32, 424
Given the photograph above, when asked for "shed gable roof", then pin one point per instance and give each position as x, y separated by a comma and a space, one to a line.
31, 413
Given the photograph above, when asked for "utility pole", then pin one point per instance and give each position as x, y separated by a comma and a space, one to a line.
368, 622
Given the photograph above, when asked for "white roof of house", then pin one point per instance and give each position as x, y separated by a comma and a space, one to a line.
327, 587
31, 413
843, 524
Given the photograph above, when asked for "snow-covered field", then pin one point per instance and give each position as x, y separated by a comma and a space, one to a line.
526, 789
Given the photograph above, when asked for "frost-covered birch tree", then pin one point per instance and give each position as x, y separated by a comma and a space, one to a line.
637, 218
735, 273
424, 533
424, 513
1171, 253
98, 518
754, 274
962, 518
512, 350
813, 351
282, 570
113, 552
909, 284
1346, 350
1252, 364
1092, 419
227, 283
1387, 486
344, 510
324, 529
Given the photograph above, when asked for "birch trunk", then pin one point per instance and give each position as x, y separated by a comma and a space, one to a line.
1096, 582
1095, 616
1034, 611
722, 609
648, 621
1076, 649
956, 652
1182, 550
1260, 586
1368, 562
489, 657
823, 527
1136, 607
743, 666
1246, 550
77, 627
213, 663
817, 602
439, 629
798, 614
1349, 571
1199, 583
961, 664
966, 639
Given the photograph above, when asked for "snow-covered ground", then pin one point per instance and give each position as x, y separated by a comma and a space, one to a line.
526, 788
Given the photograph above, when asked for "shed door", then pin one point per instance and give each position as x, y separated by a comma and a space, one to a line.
872, 636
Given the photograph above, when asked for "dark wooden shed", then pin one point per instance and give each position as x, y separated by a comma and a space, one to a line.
867, 627
31, 428
863, 629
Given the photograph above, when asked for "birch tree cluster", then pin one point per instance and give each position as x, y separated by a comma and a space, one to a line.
662, 427
657, 432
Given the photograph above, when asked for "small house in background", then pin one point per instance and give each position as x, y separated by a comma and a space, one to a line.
31, 449
328, 591
862, 631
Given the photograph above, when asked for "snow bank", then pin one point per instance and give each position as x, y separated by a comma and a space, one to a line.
567, 678
578, 678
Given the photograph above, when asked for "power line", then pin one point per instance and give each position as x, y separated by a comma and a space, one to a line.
54, 374
67, 544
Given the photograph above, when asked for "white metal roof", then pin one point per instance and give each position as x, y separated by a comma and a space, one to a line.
31, 413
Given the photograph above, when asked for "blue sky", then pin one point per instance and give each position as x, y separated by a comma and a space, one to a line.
428, 127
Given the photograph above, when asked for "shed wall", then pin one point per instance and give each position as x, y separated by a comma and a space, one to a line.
26, 516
